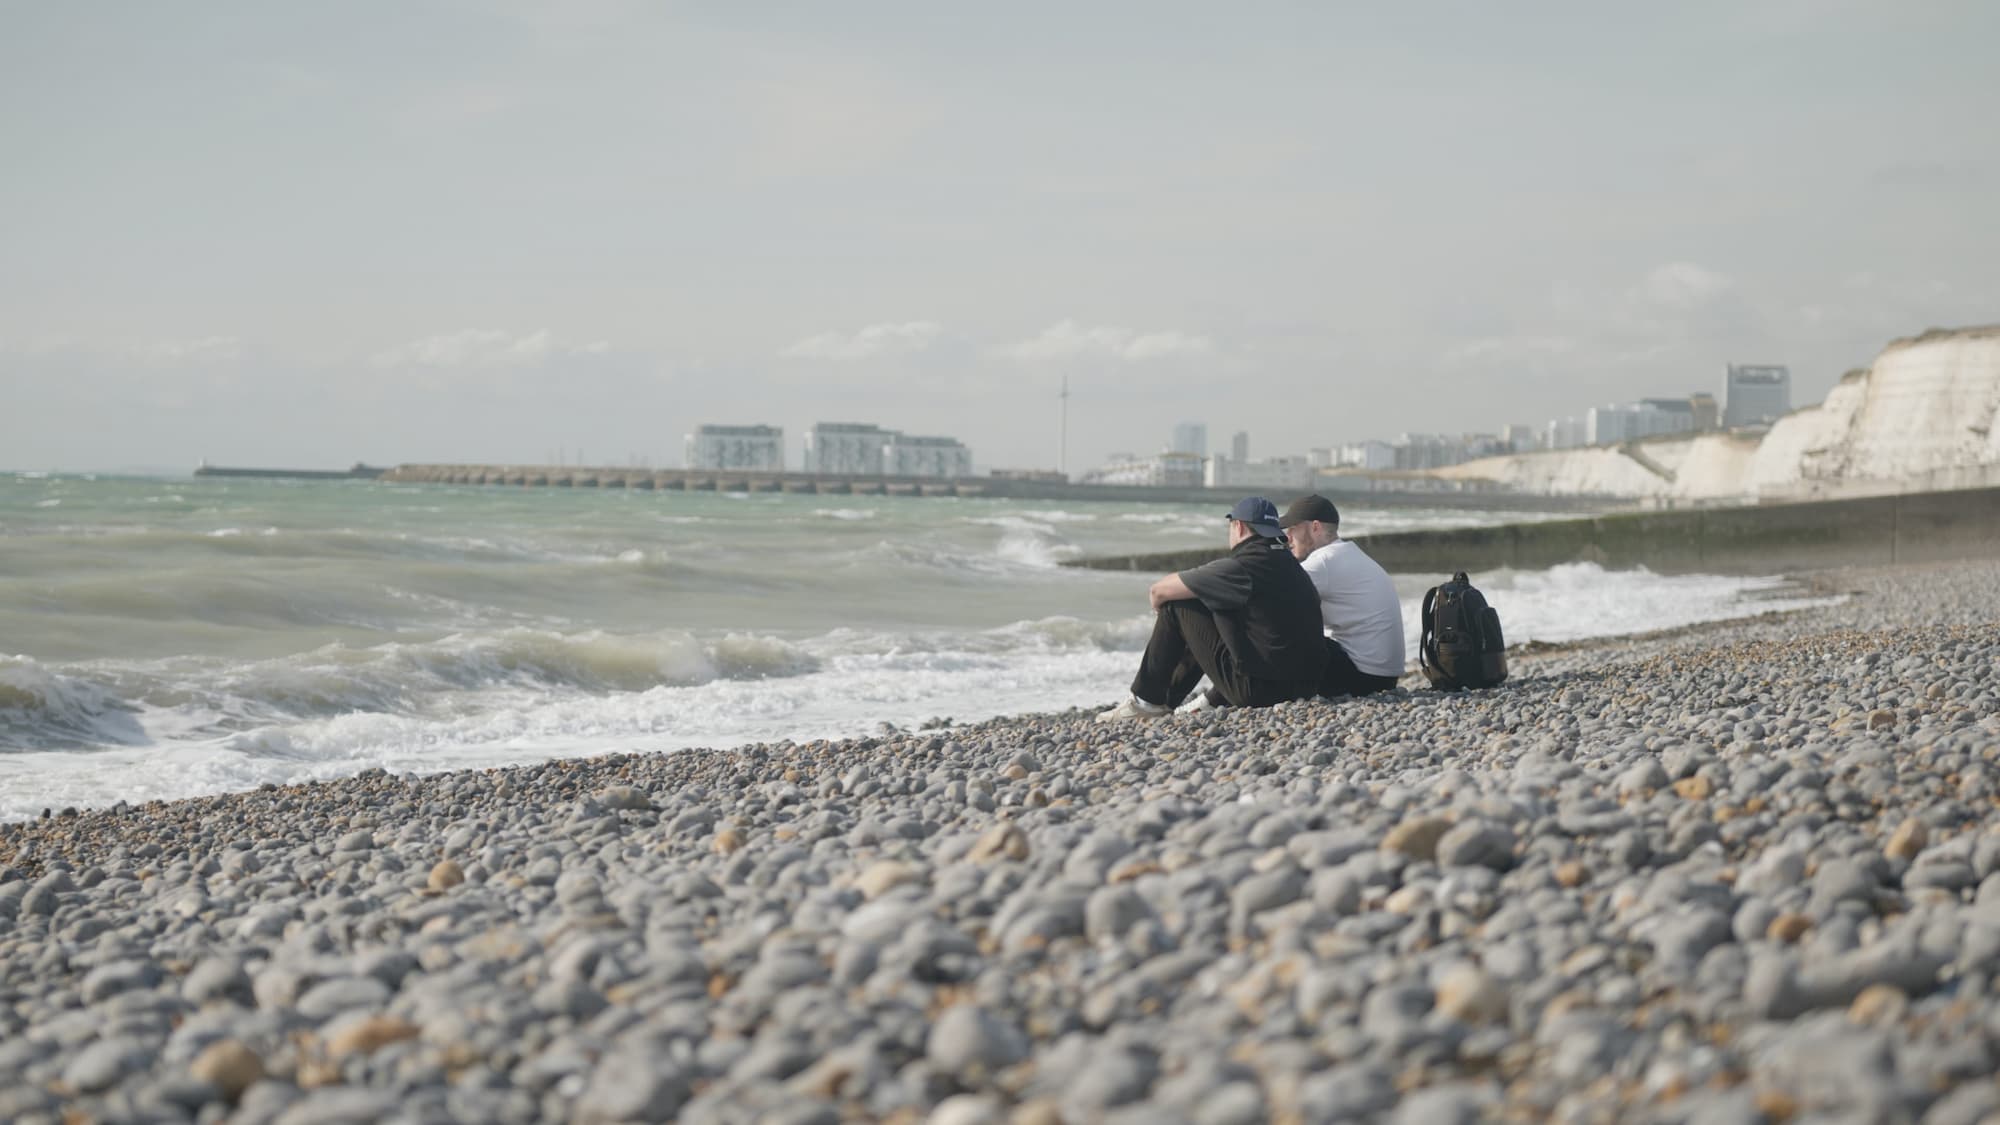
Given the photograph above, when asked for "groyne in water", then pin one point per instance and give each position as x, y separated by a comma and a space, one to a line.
360, 471
1758, 539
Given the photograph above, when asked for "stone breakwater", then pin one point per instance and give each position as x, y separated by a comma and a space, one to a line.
1741, 873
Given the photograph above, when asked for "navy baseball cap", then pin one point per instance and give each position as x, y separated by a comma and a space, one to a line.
1260, 514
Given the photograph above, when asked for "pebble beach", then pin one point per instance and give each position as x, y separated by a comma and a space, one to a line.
1740, 872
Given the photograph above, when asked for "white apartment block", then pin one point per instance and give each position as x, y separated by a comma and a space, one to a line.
1608, 425
743, 448
1566, 433
865, 449
906, 455
1278, 473
1365, 455
846, 448
1162, 470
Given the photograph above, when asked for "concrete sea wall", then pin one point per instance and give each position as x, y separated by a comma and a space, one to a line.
1760, 539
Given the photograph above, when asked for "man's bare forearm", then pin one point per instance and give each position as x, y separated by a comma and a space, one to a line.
1169, 589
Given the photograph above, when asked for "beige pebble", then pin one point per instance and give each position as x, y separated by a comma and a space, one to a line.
1041, 1111
1909, 838
1788, 927
884, 876
1406, 900
1002, 841
1570, 873
1271, 860
1126, 870
229, 1066
1417, 837
728, 841
446, 874
370, 1035
1468, 995
1776, 1105
1696, 788
1878, 1004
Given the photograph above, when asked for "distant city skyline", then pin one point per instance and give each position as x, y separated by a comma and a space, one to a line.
432, 231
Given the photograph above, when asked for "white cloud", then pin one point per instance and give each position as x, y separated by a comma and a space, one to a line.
1068, 339
1684, 285
206, 349
813, 116
1512, 349
874, 340
483, 347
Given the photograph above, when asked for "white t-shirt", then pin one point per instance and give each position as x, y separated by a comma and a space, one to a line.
1358, 606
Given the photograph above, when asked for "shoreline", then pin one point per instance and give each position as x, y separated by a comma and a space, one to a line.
68, 803
1743, 869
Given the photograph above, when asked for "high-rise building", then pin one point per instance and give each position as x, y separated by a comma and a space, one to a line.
1706, 415
1190, 437
747, 448
849, 448
1239, 446
1366, 455
1756, 394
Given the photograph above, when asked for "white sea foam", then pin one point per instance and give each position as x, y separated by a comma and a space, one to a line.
1581, 600
518, 695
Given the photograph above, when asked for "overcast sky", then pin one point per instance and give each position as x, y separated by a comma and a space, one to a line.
273, 233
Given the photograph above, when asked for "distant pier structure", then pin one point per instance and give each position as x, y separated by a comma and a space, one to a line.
686, 480
1017, 485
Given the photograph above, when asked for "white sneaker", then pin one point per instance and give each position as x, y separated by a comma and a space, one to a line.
1199, 702
1133, 708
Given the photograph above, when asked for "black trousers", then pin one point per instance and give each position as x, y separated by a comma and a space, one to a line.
1343, 678
1185, 646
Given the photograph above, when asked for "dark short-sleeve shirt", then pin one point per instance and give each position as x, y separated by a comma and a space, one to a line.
1266, 609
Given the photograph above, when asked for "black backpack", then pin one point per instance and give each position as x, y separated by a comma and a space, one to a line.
1462, 646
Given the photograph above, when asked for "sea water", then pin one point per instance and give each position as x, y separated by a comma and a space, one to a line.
169, 637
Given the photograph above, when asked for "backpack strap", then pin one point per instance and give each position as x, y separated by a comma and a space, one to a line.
1427, 633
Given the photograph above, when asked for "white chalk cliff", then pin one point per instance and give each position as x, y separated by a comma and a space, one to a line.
1924, 415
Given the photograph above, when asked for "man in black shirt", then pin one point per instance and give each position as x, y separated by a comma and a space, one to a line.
1249, 620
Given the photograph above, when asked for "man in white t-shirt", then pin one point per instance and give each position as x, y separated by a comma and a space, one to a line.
1358, 607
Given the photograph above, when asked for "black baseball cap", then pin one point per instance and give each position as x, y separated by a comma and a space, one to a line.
1260, 514
1308, 508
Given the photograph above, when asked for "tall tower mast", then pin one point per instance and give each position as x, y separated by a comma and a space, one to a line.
1062, 448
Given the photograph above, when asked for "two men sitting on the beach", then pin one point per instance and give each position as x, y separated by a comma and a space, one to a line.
1252, 620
